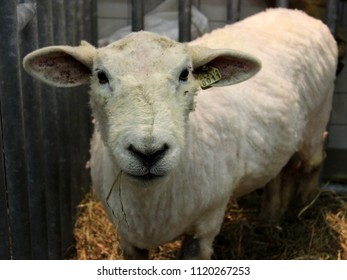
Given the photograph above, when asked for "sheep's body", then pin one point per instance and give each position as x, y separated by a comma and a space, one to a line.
238, 138
285, 108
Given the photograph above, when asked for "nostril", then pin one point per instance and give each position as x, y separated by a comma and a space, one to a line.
162, 150
136, 152
159, 154
131, 148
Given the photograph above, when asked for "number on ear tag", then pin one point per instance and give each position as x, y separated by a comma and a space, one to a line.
208, 76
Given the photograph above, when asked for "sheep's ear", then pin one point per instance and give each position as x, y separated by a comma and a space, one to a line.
61, 66
222, 67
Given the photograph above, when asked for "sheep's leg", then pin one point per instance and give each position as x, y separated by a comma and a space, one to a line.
308, 181
190, 248
272, 204
277, 197
194, 248
290, 190
308, 186
296, 186
136, 254
131, 252
206, 245
279, 193
199, 245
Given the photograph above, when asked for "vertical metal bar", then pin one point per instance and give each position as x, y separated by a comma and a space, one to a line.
63, 133
82, 26
49, 131
34, 147
75, 22
73, 108
230, 16
13, 133
80, 21
233, 10
282, 3
71, 22
5, 251
85, 113
184, 26
81, 119
137, 15
331, 15
94, 23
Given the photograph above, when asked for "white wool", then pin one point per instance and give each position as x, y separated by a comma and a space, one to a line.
239, 137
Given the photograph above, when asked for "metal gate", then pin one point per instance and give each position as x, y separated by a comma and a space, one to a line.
44, 132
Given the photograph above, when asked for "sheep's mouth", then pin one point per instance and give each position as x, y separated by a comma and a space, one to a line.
146, 177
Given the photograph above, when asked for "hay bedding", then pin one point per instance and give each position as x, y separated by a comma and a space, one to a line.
319, 233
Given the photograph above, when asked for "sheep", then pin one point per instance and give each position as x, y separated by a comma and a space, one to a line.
181, 128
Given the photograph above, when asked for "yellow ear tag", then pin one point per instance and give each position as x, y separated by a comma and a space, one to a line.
208, 76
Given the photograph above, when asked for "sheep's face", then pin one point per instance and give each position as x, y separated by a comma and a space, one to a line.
142, 91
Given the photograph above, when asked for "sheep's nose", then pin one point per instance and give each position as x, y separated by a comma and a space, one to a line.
149, 157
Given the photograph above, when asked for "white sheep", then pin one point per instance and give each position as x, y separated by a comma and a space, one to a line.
166, 156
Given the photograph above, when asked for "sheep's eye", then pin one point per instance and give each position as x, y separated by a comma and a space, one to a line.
102, 77
184, 75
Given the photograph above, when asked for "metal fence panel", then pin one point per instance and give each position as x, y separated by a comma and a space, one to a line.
34, 143
13, 133
44, 132
4, 223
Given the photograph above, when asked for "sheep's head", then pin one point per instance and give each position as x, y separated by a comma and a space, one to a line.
142, 91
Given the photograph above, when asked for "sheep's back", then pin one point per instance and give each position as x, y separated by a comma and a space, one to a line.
262, 122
